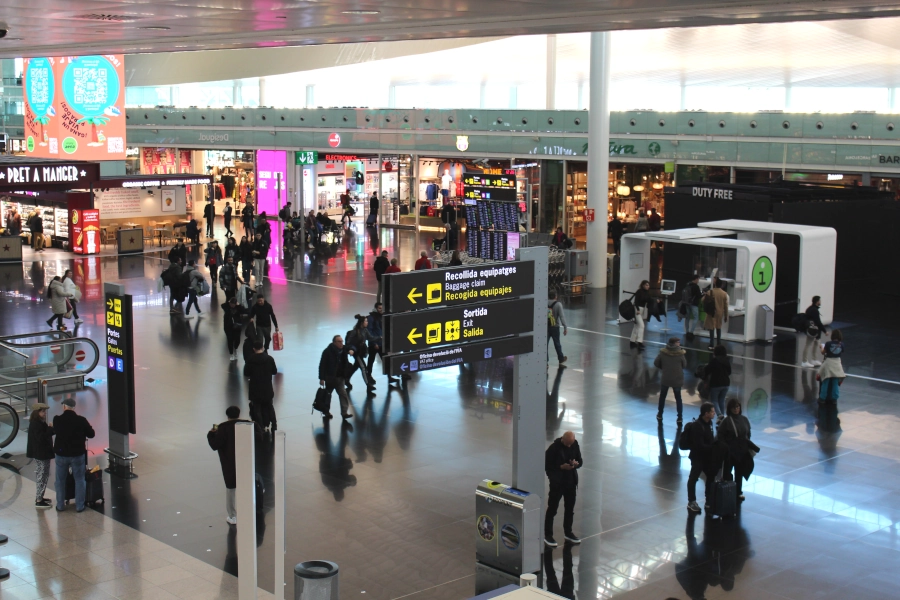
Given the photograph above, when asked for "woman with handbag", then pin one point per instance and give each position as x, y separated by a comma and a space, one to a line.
56, 294
734, 432
71, 288
641, 302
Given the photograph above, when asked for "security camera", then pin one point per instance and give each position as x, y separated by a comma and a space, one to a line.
4, 29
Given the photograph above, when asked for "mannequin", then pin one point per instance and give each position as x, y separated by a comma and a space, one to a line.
446, 182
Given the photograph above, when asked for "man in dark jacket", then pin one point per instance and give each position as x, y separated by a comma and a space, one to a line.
332, 370
178, 253
227, 217
380, 266
690, 298
172, 278
209, 213
36, 224
72, 431
260, 252
376, 343
616, 229
228, 279
702, 443
260, 368
561, 462
221, 439
810, 349
264, 317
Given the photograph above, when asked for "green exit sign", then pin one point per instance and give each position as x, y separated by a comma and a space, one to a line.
306, 157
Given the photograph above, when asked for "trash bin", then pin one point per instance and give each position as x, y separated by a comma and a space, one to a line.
316, 580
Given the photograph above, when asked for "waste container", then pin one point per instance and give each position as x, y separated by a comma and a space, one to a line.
765, 323
316, 580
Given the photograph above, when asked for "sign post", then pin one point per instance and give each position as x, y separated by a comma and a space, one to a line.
120, 374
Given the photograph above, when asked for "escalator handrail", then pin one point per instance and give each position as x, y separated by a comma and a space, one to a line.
60, 342
5, 339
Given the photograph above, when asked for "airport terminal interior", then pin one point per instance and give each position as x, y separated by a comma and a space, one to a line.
743, 130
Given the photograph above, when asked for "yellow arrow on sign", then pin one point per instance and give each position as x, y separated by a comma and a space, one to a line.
109, 304
413, 295
413, 336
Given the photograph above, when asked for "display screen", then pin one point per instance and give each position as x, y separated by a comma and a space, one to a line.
271, 171
477, 186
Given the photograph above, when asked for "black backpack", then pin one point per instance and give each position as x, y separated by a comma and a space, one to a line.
186, 279
687, 295
800, 322
684, 442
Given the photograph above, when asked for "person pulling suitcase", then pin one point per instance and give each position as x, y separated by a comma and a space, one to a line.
701, 442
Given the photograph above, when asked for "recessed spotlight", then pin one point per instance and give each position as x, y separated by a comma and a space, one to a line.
155, 28
12, 39
361, 12
280, 17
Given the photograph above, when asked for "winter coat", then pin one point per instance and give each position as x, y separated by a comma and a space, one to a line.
264, 315
214, 254
260, 368
557, 455
178, 254
672, 363
380, 266
37, 224
71, 432
233, 319
233, 251
228, 277
58, 297
70, 288
222, 441
376, 328
734, 433
702, 441
194, 277
721, 300
719, 371
246, 249
332, 362
40, 441
812, 313
357, 339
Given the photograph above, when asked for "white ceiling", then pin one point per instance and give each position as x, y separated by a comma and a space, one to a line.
68, 27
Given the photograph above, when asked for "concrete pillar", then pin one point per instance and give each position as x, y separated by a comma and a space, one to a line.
392, 96
236, 93
310, 96
598, 156
262, 91
551, 72
513, 97
482, 95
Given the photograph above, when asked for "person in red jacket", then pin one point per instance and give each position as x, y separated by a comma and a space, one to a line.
423, 262
394, 268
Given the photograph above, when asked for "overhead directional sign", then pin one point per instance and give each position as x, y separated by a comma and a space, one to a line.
475, 322
448, 356
456, 286
306, 157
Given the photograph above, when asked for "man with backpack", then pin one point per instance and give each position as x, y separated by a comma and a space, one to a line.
690, 306
192, 281
555, 318
171, 277
698, 438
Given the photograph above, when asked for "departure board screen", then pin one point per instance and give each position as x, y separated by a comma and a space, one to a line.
478, 186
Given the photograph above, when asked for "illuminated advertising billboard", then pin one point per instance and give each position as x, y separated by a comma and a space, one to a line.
271, 169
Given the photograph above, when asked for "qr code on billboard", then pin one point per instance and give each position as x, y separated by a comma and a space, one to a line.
54, 145
39, 81
115, 145
90, 85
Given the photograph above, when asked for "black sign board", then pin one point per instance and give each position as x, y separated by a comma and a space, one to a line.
120, 363
474, 322
456, 286
478, 186
449, 356
43, 175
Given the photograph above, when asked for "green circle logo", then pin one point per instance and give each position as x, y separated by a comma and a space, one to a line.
654, 149
30, 144
70, 145
763, 273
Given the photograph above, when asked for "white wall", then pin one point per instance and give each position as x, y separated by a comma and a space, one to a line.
126, 203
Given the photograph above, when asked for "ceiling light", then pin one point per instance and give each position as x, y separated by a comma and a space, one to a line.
155, 28
361, 12
638, 188
623, 190
12, 39
658, 186
280, 17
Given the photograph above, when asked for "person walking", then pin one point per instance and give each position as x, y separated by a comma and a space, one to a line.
171, 277
260, 252
556, 318
226, 215
209, 213
616, 229
71, 287
214, 260
358, 340
72, 432
641, 314
381, 265
221, 439
809, 349
716, 306
831, 373
734, 432
228, 279
654, 220
423, 262
40, 448
374, 205
36, 224
192, 231
690, 300
192, 279
233, 323
561, 463
246, 249
671, 362
376, 343
642, 223
247, 215
701, 445
718, 369
260, 368
231, 251
264, 316
178, 253
56, 293
332, 369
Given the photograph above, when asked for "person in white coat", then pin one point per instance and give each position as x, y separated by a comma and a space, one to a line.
70, 288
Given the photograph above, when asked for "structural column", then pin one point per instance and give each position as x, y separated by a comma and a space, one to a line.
598, 157
551, 72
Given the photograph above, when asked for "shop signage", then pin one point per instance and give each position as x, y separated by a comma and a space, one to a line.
145, 183
462, 143
120, 363
455, 286
334, 140
405, 332
525, 166
712, 193
214, 137
449, 356
835, 177
306, 157
341, 157
84, 226
50, 174
882, 159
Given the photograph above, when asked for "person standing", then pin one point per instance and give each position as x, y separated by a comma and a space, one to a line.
616, 229
260, 252
264, 316
671, 362
718, 369
374, 205
561, 463
171, 277
192, 280
690, 299
227, 216
56, 293
701, 444
716, 306
246, 249
71, 288
178, 253
213, 260
641, 314
260, 368
221, 439
654, 220
233, 323
247, 215
72, 432
642, 223
192, 231
423, 262
381, 265
40, 448
332, 368
394, 268
734, 432
556, 318
831, 373
37, 231
209, 213
815, 319
228, 279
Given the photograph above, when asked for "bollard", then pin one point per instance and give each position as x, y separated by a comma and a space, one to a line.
528, 580
316, 580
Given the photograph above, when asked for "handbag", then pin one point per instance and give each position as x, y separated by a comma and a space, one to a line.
68, 314
322, 403
278, 341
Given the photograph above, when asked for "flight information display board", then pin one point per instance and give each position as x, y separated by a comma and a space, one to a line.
479, 186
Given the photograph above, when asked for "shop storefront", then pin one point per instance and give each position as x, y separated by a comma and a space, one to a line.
51, 206
357, 177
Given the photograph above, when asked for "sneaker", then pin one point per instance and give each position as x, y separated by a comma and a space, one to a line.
43, 504
807, 365
693, 507
79, 320
659, 417
549, 541
572, 538
564, 359
231, 520
188, 316
817, 363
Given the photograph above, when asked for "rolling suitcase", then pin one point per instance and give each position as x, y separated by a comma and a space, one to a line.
371, 219
93, 488
724, 499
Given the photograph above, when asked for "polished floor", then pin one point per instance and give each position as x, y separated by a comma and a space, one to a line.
389, 496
